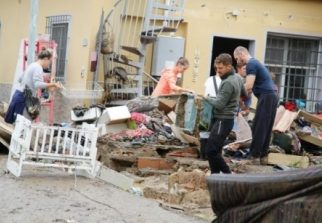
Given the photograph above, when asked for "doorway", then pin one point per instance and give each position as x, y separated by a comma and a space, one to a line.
228, 45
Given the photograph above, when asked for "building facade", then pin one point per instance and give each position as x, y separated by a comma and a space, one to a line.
285, 35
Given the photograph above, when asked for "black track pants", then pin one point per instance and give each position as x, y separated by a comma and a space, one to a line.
263, 124
219, 133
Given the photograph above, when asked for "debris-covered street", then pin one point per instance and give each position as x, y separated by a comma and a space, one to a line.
160, 111
54, 196
146, 149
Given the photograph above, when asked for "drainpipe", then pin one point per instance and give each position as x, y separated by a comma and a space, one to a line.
32, 30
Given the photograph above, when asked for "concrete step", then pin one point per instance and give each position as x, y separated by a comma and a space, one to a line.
157, 29
132, 49
146, 39
166, 18
129, 62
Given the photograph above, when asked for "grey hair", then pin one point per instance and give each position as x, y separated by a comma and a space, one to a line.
240, 49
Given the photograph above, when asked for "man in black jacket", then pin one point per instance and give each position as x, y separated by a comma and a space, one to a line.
225, 108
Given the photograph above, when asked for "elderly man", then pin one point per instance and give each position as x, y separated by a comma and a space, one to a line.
167, 82
259, 82
225, 108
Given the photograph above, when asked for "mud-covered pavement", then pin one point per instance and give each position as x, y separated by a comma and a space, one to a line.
51, 195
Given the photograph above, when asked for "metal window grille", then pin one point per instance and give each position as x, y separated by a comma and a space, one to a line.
57, 28
297, 65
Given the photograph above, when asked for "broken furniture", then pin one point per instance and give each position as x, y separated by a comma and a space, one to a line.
316, 126
186, 112
47, 146
80, 114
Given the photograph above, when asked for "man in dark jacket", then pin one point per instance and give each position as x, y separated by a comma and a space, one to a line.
225, 108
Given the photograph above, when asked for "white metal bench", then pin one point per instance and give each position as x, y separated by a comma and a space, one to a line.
50, 146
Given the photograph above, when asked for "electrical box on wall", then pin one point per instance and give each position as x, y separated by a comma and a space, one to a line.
166, 52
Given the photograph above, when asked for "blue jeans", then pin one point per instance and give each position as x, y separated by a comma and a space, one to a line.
17, 106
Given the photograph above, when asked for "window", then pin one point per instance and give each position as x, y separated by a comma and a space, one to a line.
57, 27
296, 63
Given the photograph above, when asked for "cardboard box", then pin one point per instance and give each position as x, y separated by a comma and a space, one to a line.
112, 128
167, 105
114, 115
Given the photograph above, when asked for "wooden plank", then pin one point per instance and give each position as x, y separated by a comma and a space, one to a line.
311, 139
315, 122
309, 117
4, 142
288, 160
172, 116
6, 130
168, 147
115, 178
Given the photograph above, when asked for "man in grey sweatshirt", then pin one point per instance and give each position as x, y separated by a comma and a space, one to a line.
225, 108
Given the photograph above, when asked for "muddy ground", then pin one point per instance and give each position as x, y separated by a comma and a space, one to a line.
51, 195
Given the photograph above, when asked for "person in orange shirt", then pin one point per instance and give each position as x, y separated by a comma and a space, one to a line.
167, 82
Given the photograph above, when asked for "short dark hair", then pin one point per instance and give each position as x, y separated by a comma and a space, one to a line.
44, 53
183, 61
224, 58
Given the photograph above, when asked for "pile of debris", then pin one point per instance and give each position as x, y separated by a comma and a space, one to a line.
154, 147
157, 141
164, 144
296, 140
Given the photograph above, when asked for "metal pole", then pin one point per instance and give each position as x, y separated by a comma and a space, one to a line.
98, 50
32, 30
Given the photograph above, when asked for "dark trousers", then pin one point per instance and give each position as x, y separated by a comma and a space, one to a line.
263, 124
17, 105
219, 133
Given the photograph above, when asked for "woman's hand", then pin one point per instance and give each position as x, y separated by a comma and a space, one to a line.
54, 85
59, 85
